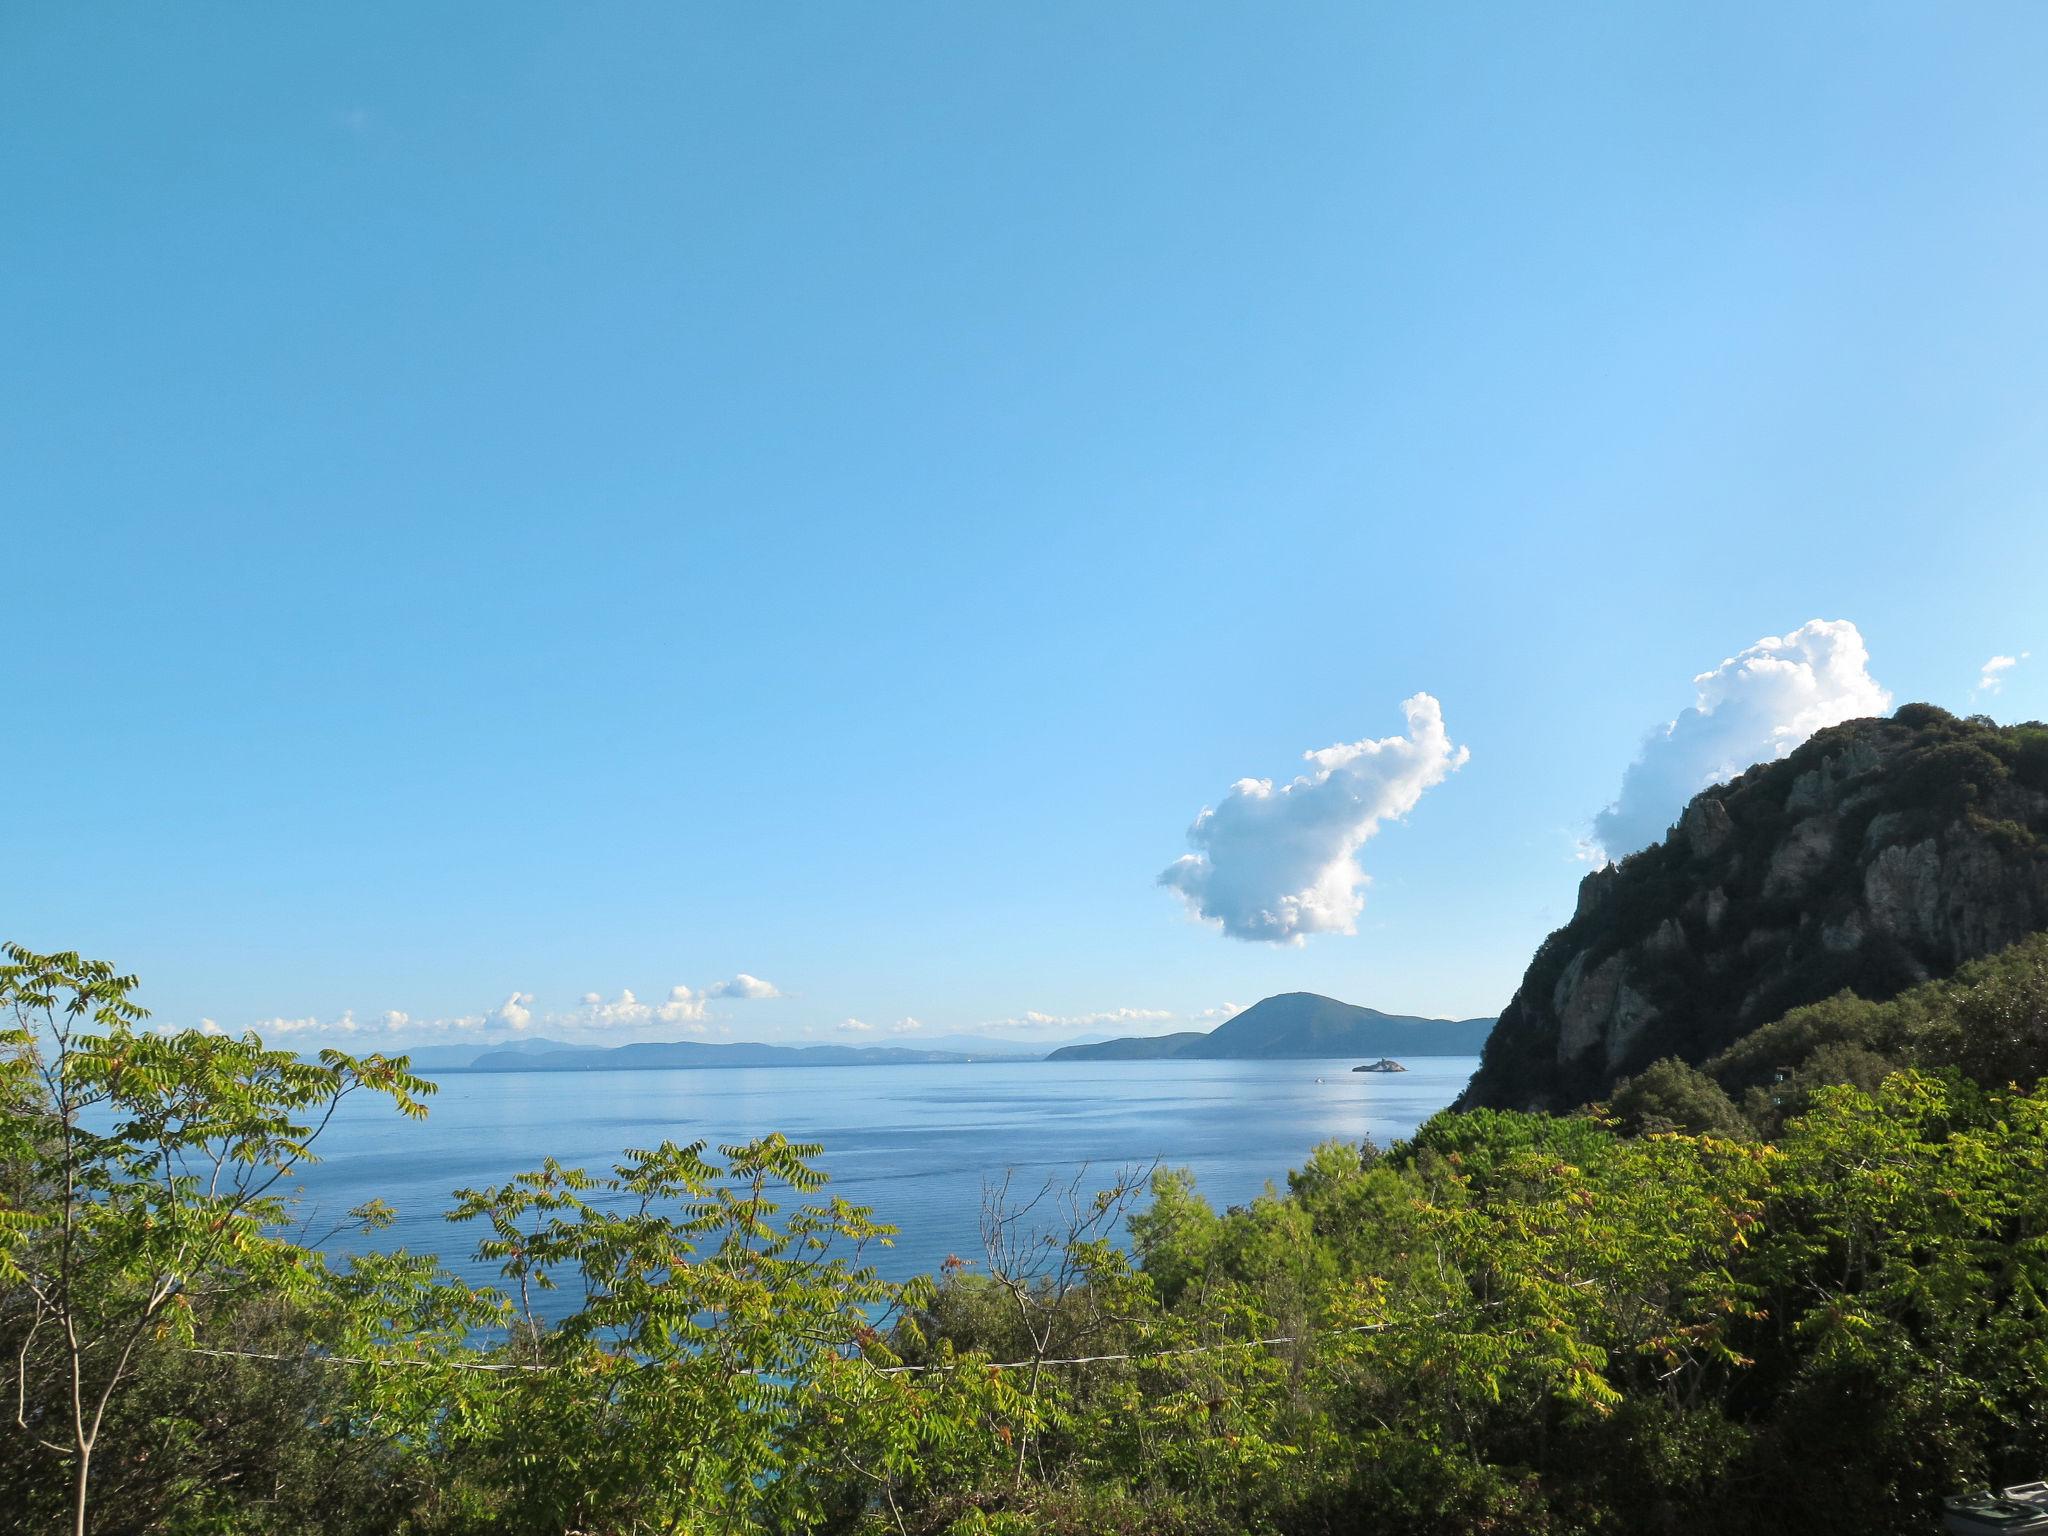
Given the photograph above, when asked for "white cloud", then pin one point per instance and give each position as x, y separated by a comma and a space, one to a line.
906, 1026
1753, 707
516, 1012
854, 1027
1992, 677
684, 1007
1031, 1018
744, 986
1107, 1016
627, 1011
1277, 865
391, 1022
268, 1027
1222, 1011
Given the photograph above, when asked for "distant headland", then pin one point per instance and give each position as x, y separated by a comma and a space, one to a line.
1297, 1026
1291, 1026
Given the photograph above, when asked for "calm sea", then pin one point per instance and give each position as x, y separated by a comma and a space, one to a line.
917, 1143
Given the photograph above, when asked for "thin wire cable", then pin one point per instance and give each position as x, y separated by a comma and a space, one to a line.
879, 1370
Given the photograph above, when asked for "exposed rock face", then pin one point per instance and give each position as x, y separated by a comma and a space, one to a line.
1880, 854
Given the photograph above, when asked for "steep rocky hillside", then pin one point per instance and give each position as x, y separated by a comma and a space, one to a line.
1879, 855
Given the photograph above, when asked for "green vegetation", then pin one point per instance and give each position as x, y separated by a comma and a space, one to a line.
1699, 1312
1989, 1021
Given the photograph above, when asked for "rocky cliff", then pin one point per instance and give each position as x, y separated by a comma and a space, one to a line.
1880, 854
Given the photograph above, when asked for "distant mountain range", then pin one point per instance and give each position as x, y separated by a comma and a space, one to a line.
988, 1045
443, 1058
650, 1054
1293, 1026
534, 1053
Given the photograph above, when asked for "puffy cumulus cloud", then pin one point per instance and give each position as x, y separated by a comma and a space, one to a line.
516, 1012
628, 1011
1221, 1012
854, 1027
1991, 679
743, 986
1754, 706
686, 1006
1279, 864
906, 1026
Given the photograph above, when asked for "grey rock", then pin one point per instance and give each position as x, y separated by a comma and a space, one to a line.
1902, 891
1706, 827
1596, 888
1843, 935
1587, 1004
1802, 856
1632, 1014
1886, 827
1823, 785
1669, 941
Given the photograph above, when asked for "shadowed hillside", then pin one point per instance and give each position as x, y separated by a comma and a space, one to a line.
1880, 855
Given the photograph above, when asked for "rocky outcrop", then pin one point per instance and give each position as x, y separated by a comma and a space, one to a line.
1880, 854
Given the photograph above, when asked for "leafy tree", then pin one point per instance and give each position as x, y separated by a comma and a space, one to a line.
146, 1182
712, 1338
1669, 1095
1992, 1023
1904, 1271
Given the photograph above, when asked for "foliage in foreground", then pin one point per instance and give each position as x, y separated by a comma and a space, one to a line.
1510, 1323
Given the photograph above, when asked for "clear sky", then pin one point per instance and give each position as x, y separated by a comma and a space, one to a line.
564, 500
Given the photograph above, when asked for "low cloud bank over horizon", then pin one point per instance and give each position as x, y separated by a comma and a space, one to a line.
685, 1007
1032, 1018
1275, 865
1754, 707
685, 1010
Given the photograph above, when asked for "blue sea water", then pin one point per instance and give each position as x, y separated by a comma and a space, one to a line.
915, 1142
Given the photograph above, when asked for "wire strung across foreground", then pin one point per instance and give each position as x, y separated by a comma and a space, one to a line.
879, 1370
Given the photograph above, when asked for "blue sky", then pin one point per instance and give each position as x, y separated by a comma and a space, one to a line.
520, 500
